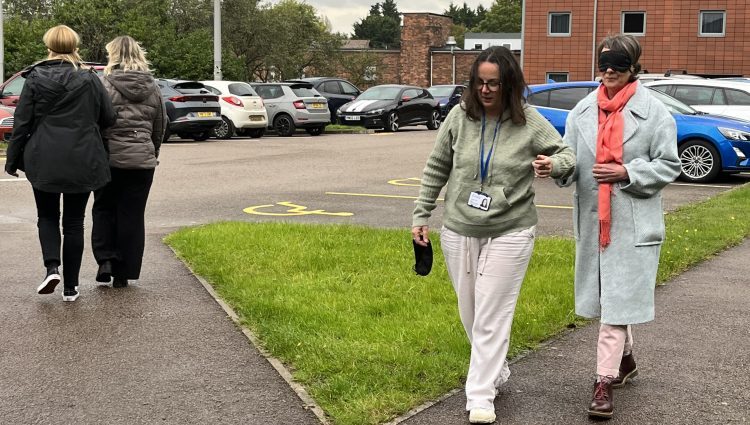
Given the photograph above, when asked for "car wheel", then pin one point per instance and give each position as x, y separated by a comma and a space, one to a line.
255, 133
315, 131
391, 123
699, 161
284, 125
434, 122
199, 137
225, 130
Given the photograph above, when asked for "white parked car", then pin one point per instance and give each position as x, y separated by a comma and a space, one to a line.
645, 78
242, 110
716, 97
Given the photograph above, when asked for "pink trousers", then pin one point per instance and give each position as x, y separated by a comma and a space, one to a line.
614, 340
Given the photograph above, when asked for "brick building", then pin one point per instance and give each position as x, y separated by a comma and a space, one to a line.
424, 59
706, 37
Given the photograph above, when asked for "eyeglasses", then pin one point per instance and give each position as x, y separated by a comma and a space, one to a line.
492, 85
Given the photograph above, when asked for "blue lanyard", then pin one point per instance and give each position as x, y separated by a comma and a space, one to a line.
484, 163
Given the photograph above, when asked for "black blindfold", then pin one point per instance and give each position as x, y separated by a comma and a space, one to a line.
617, 61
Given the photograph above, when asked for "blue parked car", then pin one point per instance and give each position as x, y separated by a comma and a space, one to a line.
708, 144
448, 96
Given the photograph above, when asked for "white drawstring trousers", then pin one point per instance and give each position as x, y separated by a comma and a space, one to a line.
487, 274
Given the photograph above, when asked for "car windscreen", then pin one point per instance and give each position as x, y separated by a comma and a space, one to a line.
673, 105
380, 93
440, 91
190, 87
241, 89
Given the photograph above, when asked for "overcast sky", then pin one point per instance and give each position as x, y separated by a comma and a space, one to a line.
344, 13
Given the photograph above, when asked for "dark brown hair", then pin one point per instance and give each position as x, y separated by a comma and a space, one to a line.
511, 91
627, 45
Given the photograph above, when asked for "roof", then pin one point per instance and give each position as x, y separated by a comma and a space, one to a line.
356, 44
491, 35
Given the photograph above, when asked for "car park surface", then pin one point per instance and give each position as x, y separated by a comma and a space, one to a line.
447, 96
336, 90
391, 106
708, 145
242, 110
294, 105
718, 97
193, 111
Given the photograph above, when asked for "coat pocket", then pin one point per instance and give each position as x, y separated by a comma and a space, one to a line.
648, 220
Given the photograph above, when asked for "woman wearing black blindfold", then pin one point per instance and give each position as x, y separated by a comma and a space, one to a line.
626, 150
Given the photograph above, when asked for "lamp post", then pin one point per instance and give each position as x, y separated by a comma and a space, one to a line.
217, 40
452, 42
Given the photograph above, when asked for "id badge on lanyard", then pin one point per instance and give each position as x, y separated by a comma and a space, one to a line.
478, 199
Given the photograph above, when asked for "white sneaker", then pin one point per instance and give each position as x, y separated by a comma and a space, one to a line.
49, 283
481, 416
69, 295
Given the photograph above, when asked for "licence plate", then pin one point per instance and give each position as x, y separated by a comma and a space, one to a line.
318, 105
351, 117
206, 114
256, 118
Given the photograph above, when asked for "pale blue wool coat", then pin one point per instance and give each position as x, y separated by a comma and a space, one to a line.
625, 272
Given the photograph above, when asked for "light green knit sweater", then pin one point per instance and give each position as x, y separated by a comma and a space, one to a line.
455, 160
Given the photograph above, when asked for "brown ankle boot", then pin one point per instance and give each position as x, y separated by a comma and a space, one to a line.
602, 404
628, 371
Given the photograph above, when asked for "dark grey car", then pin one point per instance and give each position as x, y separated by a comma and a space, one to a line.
193, 111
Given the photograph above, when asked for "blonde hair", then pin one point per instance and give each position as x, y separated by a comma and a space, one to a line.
126, 54
62, 43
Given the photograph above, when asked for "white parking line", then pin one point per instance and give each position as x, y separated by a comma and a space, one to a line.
14, 179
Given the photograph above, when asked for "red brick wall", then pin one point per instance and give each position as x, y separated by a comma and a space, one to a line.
419, 33
671, 40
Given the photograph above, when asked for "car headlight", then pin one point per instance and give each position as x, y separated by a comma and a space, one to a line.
734, 134
374, 112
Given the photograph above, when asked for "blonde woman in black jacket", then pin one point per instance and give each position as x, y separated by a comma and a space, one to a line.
57, 141
118, 236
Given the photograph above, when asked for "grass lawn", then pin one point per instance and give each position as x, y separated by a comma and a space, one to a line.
3, 146
339, 128
340, 306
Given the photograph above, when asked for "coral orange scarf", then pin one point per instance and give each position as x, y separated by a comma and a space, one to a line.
609, 149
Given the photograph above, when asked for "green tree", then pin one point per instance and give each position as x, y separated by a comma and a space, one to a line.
362, 68
23, 42
503, 16
382, 26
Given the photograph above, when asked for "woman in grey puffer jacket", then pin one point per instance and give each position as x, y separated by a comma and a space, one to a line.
118, 235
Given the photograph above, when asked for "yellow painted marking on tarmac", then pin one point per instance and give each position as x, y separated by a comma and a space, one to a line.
373, 195
406, 182
294, 210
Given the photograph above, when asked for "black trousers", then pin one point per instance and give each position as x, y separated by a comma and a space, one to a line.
119, 232
48, 213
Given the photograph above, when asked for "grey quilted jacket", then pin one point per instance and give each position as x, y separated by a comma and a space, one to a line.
135, 139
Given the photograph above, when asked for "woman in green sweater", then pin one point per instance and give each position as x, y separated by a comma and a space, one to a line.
488, 152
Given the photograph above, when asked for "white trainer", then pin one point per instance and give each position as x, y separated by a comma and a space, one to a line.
48, 286
69, 295
481, 416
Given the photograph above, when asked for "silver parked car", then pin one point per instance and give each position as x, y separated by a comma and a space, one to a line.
294, 105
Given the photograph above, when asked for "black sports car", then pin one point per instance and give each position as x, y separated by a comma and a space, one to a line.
390, 107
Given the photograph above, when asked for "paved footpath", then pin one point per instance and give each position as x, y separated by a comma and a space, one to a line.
162, 351
693, 361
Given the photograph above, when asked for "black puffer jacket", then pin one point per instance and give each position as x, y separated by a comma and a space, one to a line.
57, 129
134, 140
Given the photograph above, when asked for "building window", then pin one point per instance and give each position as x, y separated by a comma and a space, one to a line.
559, 24
506, 45
557, 77
634, 23
712, 23
477, 47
